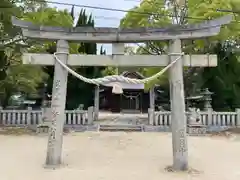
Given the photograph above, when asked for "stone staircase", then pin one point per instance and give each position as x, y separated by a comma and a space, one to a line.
126, 128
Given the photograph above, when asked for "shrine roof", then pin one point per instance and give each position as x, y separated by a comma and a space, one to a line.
132, 74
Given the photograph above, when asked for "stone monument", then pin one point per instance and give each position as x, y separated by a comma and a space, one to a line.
194, 123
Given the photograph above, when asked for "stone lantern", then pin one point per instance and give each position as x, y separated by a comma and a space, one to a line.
207, 99
190, 101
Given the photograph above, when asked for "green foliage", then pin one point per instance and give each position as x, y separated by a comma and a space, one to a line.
80, 92
9, 8
198, 11
3, 65
54, 17
208, 10
13, 76
50, 17
150, 13
21, 78
223, 80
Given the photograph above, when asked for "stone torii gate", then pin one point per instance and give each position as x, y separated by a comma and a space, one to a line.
118, 37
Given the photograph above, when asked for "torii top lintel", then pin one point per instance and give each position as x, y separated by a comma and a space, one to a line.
126, 35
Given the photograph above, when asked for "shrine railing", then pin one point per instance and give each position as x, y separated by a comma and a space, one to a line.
209, 118
80, 117
34, 117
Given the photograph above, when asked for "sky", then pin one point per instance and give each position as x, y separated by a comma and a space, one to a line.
103, 18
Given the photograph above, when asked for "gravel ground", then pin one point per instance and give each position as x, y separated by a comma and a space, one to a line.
119, 156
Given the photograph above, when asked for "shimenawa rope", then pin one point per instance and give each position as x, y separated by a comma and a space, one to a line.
115, 79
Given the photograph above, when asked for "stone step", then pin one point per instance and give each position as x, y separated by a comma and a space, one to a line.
131, 128
42, 129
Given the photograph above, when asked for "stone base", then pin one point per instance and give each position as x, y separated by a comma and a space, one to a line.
43, 128
196, 130
149, 128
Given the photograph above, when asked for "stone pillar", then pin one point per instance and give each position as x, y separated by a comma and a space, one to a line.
152, 98
179, 123
46, 116
90, 115
96, 103
238, 118
209, 116
118, 49
29, 113
1, 119
55, 139
150, 116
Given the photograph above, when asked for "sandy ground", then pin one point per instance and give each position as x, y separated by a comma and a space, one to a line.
118, 156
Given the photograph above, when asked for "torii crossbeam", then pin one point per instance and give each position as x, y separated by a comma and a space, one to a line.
116, 35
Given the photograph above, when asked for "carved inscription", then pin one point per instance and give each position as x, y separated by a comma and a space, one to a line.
55, 113
57, 92
53, 129
182, 141
57, 84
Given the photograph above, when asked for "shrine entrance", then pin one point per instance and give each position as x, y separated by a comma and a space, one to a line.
174, 60
133, 99
131, 102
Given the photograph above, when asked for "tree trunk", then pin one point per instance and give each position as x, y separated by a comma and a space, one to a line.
5, 99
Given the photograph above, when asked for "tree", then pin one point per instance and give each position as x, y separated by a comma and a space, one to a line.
154, 14
7, 33
80, 92
148, 14
49, 17
223, 80
14, 77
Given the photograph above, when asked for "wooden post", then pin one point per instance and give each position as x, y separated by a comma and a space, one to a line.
54, 149
96, 103
179, 124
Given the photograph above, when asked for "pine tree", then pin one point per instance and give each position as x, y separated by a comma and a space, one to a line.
81, 92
